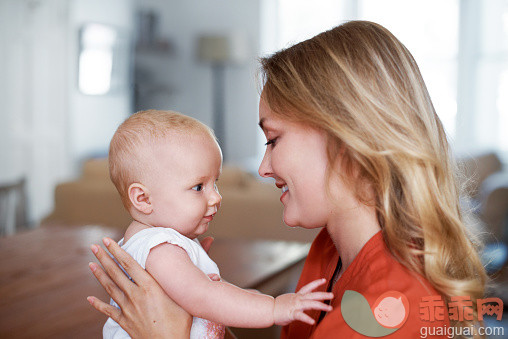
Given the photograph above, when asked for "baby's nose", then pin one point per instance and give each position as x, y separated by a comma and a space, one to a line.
215, 198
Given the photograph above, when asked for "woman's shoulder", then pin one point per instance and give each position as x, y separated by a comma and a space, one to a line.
376, 269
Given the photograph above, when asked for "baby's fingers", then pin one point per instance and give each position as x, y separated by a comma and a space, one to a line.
318, 296
312, 286
315, 305
304, 318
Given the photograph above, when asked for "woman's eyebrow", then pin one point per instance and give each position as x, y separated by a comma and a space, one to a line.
266, 124
261, 123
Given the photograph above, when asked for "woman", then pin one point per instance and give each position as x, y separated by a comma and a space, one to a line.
355, 145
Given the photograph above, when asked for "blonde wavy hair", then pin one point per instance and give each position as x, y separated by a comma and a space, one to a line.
127, 149
362, 87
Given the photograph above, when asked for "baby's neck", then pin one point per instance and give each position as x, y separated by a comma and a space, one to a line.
133, 228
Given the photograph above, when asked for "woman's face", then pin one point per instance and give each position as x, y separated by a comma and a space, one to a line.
296, 158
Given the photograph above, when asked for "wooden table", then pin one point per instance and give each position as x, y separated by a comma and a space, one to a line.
45, 279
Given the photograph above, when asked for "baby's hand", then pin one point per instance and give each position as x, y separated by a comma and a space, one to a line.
290, 307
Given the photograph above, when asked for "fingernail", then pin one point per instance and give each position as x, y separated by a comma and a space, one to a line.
106, 241
94, 248
92, 266
90, 300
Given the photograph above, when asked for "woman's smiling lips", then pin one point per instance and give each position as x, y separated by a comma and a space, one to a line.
284, 188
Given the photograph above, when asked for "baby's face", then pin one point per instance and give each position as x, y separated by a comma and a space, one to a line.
182, 183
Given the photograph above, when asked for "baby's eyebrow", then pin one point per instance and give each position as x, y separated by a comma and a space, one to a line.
200, 179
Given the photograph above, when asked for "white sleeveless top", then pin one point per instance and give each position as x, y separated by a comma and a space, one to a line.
139, 246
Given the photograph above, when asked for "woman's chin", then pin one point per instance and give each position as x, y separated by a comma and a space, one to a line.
294, 222
288, 221
291, 221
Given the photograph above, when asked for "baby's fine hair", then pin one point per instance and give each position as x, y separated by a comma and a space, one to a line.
144, 129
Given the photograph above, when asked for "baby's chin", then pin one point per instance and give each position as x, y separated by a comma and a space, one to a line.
201, 229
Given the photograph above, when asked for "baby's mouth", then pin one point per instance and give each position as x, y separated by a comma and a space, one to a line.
209, 217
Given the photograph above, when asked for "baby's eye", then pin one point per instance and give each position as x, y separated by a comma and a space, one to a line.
198, 187
215, 186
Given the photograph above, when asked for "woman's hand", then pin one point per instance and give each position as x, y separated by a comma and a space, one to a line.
145, 311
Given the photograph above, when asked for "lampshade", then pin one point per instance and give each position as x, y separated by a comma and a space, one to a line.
227, 48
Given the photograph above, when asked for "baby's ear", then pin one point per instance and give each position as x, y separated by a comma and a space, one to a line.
140, 198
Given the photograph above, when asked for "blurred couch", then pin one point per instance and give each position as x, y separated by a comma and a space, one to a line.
486, 184
250, 208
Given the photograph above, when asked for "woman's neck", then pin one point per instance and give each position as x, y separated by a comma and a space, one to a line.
351, 230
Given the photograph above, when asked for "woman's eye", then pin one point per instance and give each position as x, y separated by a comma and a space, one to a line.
271, 142
198, 187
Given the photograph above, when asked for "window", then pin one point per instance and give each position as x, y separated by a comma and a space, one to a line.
491, 85
461, 47
429, 29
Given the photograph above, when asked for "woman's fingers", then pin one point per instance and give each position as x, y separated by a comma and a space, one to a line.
131, 266
108, 284
206, 243
114, 272
107, 309
214, 277
146, 311
312, 286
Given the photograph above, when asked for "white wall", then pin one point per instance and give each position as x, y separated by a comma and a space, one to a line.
47, 126
188, 82
33, 133
94, 119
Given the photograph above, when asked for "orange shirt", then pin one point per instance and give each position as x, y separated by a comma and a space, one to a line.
373, 272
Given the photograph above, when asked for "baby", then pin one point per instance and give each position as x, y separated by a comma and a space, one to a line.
165, 166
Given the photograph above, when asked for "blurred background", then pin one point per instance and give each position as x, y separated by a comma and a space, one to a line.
72, 70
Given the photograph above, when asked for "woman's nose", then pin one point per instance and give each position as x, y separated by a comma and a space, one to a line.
265, 168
